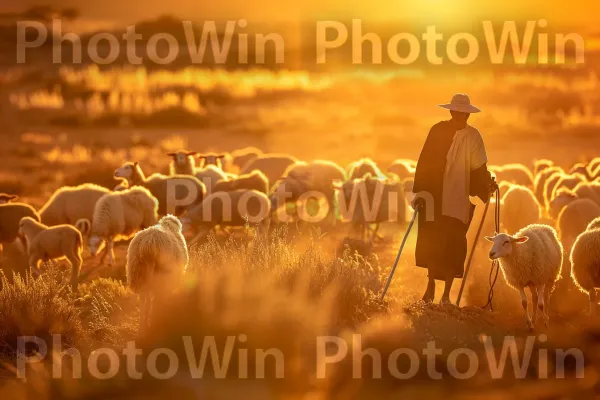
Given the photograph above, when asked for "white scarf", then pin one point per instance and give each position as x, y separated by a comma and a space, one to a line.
467, 153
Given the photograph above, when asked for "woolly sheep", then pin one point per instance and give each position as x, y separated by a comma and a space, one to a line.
531, 258
585, 263
236, 208
541, 165
215, 159
549, 186
156, 258
588, 190
46, 243
241, 157
118, 216
403, 168
595, 224
7, 198
362, 167
185, 186
574, 219
302, 177
540, 182
583, 190
210, 176
567, 182
272, 165
519, 208
255, 180
563, 198
182, 163
70, 204
10, 216
513, 173
371, 200
580, 168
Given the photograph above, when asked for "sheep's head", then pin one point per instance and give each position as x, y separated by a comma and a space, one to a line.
171, 223
7, 198
502, 244
96, 243
211, 159
127, 170
181, 157
24, 225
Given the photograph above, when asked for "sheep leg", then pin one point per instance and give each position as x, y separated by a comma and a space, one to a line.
103, 254
75, 260
593, 301
534, 301
524, 304
541, 305
111, 252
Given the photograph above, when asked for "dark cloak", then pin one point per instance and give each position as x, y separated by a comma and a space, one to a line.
442, 242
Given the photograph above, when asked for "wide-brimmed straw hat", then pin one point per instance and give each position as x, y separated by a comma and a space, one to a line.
462, 103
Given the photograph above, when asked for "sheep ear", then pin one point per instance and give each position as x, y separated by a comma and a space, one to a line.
191, 153
83, 225
521, 239
135, 163
171, 154
13, 196
489, 238
221, 156
337, 184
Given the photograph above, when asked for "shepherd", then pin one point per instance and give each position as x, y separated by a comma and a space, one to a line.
452, 166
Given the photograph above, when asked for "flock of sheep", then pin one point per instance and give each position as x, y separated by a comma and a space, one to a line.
530, 249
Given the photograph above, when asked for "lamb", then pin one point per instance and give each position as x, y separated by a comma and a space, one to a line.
255, 180
46, 243
215, 159
585, 262
531, 258
156, 258
210, 176
302, 177
10, 216
362, 167
241, 157
574, 219
513, 173
187, 189
540, 182
70, 204
541, 165
7, 198
118, 216
371, 200
183, 162
520, 208
236, 208
403, 168
272, 165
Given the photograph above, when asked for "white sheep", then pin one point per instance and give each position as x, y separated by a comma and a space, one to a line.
182, 163
513, 173
541, 165
403, 168
241, 157
531, 258
585, 262
272, 165
210, 176
118, 216
46, 243
7, 198
10, 216
255, 180
540, 182
519, 208
236, 208
302, 177
574, 219
362, 167
156, 258
215, 159
166, 189
70, 204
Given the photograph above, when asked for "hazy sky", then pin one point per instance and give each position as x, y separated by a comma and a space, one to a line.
579, 13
